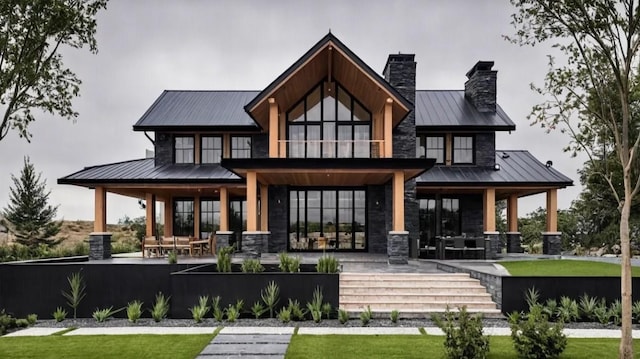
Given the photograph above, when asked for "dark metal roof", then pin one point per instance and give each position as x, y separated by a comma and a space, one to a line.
188, 110
144, 171
448, 109
516, 168
319, 45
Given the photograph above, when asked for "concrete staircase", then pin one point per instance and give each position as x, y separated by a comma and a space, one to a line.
413, 294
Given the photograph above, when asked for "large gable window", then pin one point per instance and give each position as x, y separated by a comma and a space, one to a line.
463, 149
183, 149
329, 124
430, 147
211, 149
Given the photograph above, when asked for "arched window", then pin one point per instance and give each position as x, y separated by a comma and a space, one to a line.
329, 124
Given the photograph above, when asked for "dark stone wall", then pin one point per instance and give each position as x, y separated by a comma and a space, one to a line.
552, 243
278, 218
99, 246
163, 148
485, 149
377, 218
480, 89
260, 145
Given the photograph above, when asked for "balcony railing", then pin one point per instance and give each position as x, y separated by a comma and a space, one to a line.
331, 148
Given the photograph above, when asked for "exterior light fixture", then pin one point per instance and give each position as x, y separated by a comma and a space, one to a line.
496, 167
548, 164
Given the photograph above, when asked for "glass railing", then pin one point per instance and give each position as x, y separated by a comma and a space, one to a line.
332, 148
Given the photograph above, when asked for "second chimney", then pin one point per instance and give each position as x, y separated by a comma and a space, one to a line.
480, 87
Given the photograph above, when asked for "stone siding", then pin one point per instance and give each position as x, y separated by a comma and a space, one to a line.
278, 218
163, 149
480, 89
485, 149
260, 146
377, 219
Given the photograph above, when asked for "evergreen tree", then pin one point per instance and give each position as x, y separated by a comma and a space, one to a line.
29, 216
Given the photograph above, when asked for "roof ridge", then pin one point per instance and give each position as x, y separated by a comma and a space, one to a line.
211, 90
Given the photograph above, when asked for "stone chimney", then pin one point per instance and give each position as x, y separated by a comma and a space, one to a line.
480, 88
400, 72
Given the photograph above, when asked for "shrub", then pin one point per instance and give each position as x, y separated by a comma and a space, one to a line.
636, 311
134, 311
327, 264
232, 313
463, 335
201, 309
102, 315
365, 316
6, 322
315, 306
601, 312
250, 265
257, 309
615, 312
76, 292
587, 307
326, 310
532, 296
550, 308
284, 315
32, 318
394, 316
22, 323
59, 314
218, 313
289, 263
270, 296
567, 310
160, 308
297, 312
224, 259
172, 257
535, 337
343, 316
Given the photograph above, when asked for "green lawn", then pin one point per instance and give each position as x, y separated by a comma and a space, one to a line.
422, 346
105, 346
564, 267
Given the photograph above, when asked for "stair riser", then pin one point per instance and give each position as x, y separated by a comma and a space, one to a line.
401, 277
413, 291
409, 284
414, 298
471, 307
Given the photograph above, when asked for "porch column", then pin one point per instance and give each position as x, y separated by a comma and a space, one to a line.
252, 199
273, 128
264, 207
168, 217
514, 238
398, 201
388, 125
196, 217
398, 238
224, 209
150, 223
491, 237
551, 239
100, 213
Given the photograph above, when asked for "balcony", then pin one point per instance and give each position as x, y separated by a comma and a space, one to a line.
331, 148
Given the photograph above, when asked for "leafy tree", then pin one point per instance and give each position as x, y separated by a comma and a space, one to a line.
32, 73
29, 216
534, 223
592, 97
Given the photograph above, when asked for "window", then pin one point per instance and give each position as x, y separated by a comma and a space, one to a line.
211, 149
430, 147
462, 149
328, 125
451, 217
183, 149
209, 217
240, 147
183, 217
448, 209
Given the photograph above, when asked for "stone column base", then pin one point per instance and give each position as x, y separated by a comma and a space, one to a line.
398, 247
99, 245
552, 243
265, 241
222, 239
252, 243
514, 242
491, 244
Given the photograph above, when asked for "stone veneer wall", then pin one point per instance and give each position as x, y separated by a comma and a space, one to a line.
485, 149
163, 149
278, 218
260, 145
377, 219
492, 282
480, 89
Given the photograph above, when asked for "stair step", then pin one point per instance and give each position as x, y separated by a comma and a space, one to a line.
416, 298
431, 307
404, 276
409, 285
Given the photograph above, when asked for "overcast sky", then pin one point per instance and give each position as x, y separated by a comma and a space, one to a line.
147, 46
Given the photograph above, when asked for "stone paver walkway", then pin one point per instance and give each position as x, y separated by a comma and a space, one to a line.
263, 343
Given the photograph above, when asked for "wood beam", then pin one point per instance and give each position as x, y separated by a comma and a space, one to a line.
512, 213
273, 128
100, 212
150, 213
224, 209
264, 207
552, 210
196, 147
448, 144
489, 210
388, 128
252, 199
168, 217
282, 128
398, 201
196, 217
226, 145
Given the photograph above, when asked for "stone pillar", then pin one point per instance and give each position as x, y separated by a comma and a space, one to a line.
252, 244
552, 243
99, 245
398, 247
222, 239
491, 244
514, 242
265, 241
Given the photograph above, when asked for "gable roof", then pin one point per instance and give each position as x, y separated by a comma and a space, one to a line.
198, 110
449, 109
516, 168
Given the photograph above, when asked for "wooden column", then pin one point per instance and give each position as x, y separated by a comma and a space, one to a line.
252, 201
150, 203
552, 210
100, 213
264, 207
196, 217
512, 213
197, 149
168, 217
388, 127
282, 130
489, 210
448, 154
224, 209
226, 146
273, 128
398, 201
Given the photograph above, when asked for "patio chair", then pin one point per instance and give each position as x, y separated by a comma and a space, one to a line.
183, 245
150, 245
167, 244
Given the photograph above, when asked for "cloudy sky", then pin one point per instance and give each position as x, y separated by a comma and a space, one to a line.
147, 46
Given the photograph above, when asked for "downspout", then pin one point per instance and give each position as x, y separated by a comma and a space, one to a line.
152, 141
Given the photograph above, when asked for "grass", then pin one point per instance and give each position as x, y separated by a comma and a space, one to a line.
105, 346
421, 346
564, 267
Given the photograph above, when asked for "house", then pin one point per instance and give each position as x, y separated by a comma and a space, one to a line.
331, 156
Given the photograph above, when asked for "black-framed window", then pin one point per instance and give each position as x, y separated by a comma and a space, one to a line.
237, 221
183, 217
430, 147
183, 149
240, 146
463, 149
209, 216
329, 124
451, 217
210, 149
